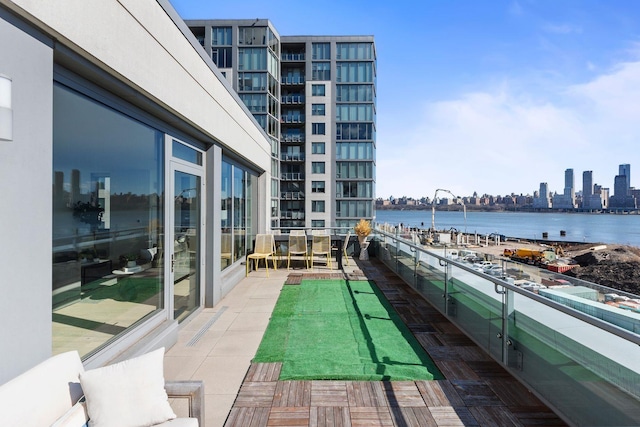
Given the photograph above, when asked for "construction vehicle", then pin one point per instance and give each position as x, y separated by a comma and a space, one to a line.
530, 256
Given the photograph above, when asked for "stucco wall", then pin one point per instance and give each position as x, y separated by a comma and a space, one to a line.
25, 203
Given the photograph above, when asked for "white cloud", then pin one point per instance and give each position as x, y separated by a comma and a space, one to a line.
561, 28
501, 140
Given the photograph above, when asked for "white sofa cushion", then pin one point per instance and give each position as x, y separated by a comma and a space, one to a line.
41, 395
128, 394
74, 417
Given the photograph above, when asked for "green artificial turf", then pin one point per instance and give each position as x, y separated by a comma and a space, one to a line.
341, 330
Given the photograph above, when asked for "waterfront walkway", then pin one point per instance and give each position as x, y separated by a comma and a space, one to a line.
218, 345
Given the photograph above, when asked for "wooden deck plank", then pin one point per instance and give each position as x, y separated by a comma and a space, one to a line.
366, 393
513, 393
453, 416
256, 394
298, 417
439, 393
329, 416
263, 372
412, 417
329, 393
292, 394
371, 417
494, 416
248, 417
456, 370
476, 393
403, 393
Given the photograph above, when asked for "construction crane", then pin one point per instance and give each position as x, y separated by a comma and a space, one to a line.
433, 208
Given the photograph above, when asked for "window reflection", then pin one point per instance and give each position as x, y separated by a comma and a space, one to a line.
107, 223
238, 218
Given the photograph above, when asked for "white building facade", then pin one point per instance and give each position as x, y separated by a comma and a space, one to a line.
134, 180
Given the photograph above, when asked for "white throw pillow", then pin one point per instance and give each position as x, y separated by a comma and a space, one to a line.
128, 394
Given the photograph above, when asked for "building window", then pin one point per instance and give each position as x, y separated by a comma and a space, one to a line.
252, 59
221, 56
354, 112
354, 208
354, 93
317, 167
317, 206
221, 36
318, 128
354, 72
253, 82
354, 170
321, 51
321, 71
354, 51
317, 148
354, 151
237, 218
255, 102
317, 109
317, 90
252, 36
354, 131
354, 189
101, 189
317, 223
317, 186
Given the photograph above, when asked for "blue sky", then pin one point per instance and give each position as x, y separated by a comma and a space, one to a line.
492, 96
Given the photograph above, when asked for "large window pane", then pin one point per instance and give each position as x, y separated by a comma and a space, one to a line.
221, 36
238, 190
107, 247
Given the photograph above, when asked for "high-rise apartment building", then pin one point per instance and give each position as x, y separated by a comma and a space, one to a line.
315, 96
247, 53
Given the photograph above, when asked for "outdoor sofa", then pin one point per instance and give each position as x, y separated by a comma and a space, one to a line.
60, 392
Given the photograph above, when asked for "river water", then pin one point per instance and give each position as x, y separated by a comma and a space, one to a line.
579, 227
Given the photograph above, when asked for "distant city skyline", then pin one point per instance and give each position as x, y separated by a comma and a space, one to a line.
578, 186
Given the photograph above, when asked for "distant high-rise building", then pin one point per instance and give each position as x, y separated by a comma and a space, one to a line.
567, 200
625, 170
591, 194
587, 184
543, 200
315, 97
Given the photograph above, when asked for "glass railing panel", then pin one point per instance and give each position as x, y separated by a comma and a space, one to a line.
475, 306
587, 370
430, 281
588, 374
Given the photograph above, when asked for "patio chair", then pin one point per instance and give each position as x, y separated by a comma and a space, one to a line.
265, 247
297, 246
345, 244
319, 232
321, 245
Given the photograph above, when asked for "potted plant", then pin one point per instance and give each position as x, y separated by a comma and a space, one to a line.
362, 229
128, 260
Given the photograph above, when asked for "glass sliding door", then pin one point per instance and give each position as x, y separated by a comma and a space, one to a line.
187, 231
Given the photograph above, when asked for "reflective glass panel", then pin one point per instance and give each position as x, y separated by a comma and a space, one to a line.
107, 248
